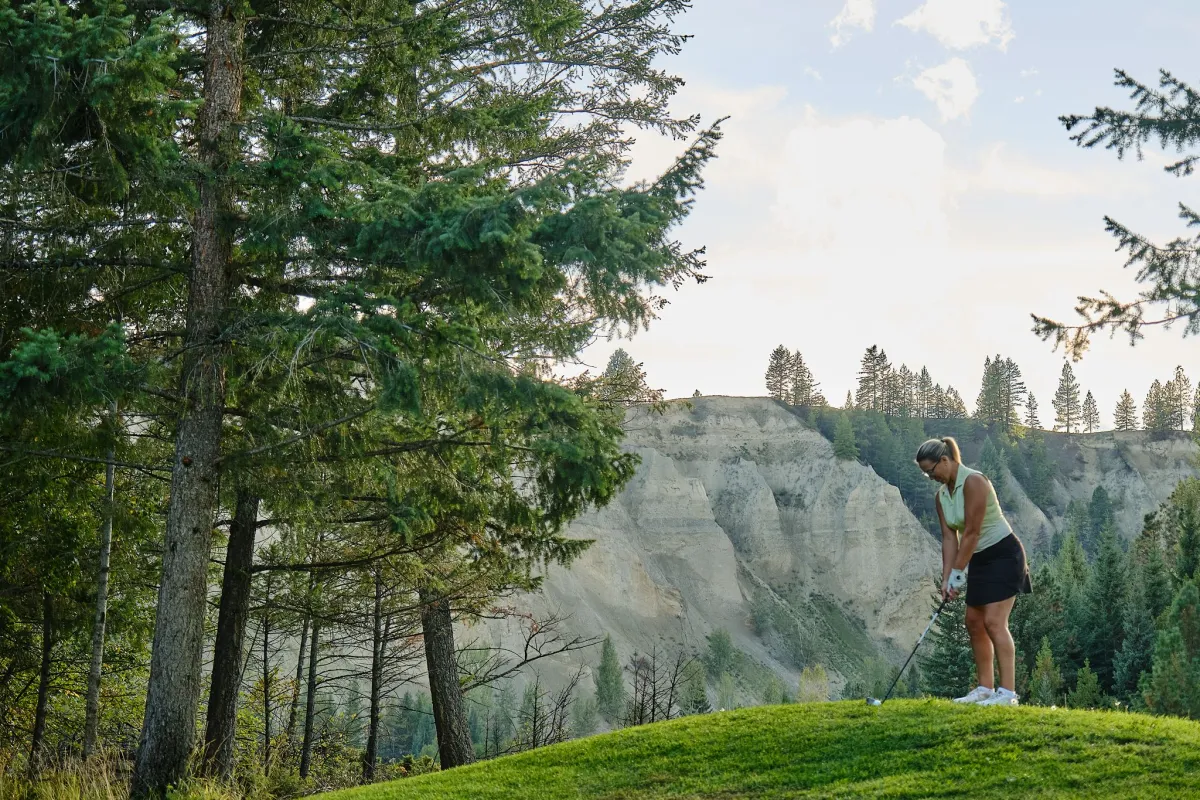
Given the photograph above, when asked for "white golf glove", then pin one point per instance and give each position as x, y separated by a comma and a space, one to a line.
957, 580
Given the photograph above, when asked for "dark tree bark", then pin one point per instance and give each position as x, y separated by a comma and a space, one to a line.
449, 707
291, 725
173, 691
91, 722
43, 696
266, 668
310, 701
232, 615
378, 642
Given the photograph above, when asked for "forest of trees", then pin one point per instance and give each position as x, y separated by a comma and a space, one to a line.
1003, 402
282, 297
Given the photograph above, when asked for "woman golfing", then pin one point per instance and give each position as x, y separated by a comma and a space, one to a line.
981, 552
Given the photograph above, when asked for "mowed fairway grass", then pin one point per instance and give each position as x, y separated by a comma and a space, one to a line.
907, 748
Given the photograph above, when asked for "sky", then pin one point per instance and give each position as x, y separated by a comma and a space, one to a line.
893, 172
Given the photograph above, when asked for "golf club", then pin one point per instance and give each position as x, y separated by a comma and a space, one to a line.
871, 701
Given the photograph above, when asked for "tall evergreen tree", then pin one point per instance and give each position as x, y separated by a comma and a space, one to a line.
873, 380
1156, 411
610, 682
1137, 647
1106, 603
802, 386
1091, 414
924, 399
844, 446
1045, 683
955, 407
1031, 413
848, 403
992, 464
1179, 400
1125, 416
778, 373
1173, 686
1067, 411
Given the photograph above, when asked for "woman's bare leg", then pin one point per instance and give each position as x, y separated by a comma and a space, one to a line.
995, 622
981, 645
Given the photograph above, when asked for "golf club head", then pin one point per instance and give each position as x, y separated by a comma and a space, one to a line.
871, 701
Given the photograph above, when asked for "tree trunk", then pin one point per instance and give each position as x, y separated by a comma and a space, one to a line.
449, 709
43, 696
310, 701
291, 725
173, 691
231, 633
266, 668
92, 714
377, 644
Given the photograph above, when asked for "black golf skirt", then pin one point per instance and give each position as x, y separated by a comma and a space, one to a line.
998, 573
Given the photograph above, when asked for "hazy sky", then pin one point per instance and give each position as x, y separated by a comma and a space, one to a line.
894, 173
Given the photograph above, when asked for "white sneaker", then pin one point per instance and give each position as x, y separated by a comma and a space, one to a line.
1001, 697
976, 695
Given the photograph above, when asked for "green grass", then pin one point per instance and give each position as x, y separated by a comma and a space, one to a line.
913, 748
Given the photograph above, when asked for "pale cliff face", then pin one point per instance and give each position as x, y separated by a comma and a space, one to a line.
736, 496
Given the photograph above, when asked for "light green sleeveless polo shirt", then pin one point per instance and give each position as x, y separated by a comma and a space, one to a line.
995, 527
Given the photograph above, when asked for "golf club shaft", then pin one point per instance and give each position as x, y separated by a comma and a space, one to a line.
932, 620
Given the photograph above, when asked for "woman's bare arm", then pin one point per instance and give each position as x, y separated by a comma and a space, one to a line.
949, 543
975, 489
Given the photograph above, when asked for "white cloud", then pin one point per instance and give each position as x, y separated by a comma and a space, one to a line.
1019, 98
1001, 171
855, 14
952, 86
812, 73
961, 24
838, 178
1028, 73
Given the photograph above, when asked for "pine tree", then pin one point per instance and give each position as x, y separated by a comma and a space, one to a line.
848, 405
903, 390
1173, 686
949, 669
955, 407
1156, 414
610, 682
1179, 400
1031, 413
1170, 272
777, 373
1137, 647
844, 446
1106, 603
695, 690
987, 402
1091, 415
1196, 411
924, 395
1087, 692
992, 464
873, 381
802, 385
1125, 415
1066, 401
1045, 683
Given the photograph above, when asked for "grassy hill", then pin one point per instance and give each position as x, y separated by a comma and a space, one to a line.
916, 748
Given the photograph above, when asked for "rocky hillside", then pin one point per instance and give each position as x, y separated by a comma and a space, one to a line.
1137, 471
738, 502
